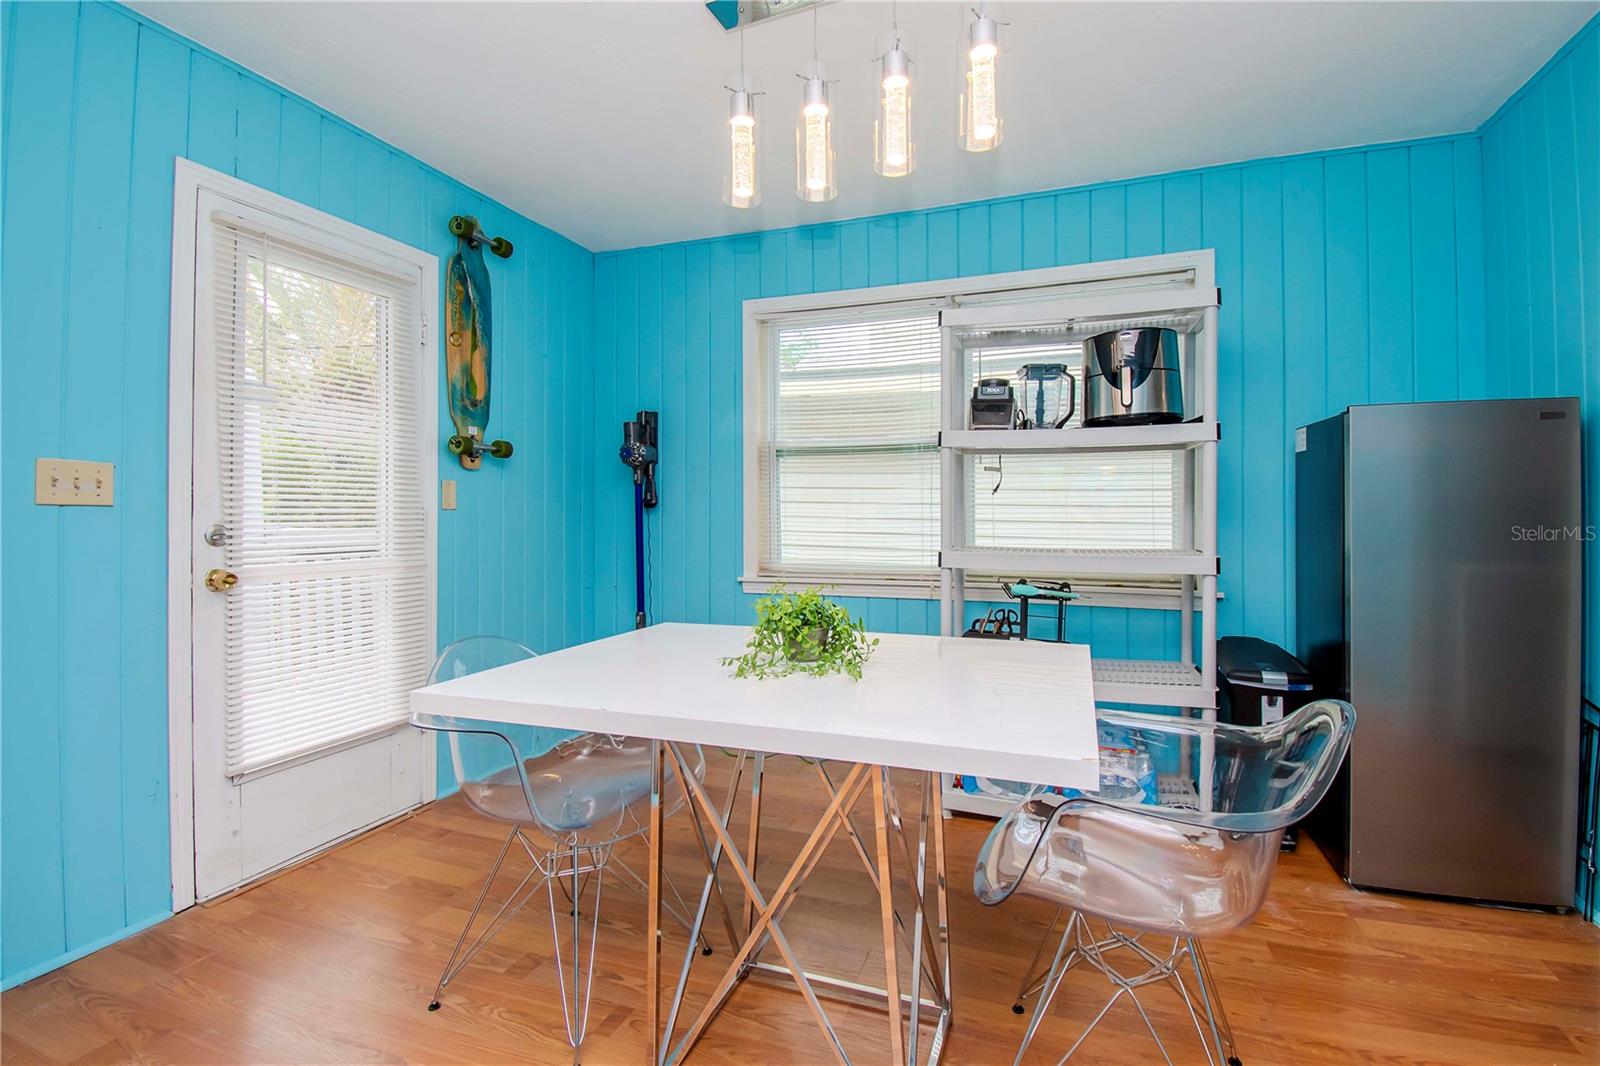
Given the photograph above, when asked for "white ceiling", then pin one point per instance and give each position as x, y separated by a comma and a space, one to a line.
606, 121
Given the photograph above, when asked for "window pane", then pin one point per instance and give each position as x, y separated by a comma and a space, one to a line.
1078, 502
870, 510
851, 471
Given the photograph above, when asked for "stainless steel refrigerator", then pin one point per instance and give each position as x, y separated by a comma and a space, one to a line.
1439, 577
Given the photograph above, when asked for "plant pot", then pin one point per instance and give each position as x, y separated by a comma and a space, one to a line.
798, 652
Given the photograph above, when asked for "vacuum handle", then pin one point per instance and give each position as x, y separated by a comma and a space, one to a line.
1072, 401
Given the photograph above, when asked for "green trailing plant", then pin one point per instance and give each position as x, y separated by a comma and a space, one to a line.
803, 632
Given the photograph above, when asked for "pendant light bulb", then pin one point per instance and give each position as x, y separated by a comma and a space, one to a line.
741, 187
813, 136
894, 152
981, 127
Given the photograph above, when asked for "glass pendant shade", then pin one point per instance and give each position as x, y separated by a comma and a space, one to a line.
894, 152
813, 141
742, 187
981, 126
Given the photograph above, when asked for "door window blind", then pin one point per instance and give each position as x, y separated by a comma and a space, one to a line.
848, 460
318, 364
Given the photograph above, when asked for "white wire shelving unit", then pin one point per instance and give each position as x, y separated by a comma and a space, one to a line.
1176, 292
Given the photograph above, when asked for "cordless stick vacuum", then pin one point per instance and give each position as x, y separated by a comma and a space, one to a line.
638, 453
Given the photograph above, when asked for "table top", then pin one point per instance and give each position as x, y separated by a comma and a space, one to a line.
1019, 710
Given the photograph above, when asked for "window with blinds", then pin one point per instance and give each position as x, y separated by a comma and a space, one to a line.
318, 364
1108, 500
848, 478
849, 463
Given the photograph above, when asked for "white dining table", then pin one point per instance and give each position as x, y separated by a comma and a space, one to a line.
1015, 710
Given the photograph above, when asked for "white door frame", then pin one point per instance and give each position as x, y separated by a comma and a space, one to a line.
190, 179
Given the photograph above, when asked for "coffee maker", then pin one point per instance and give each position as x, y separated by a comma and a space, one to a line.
1131, 377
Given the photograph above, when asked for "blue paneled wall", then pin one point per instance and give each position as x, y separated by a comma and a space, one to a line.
1541, 175
1347, 277
1541, 178
98, 102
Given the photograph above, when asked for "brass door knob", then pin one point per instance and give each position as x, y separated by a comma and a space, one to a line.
221, 580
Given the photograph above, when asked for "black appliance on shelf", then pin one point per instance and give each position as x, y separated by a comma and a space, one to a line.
994, 404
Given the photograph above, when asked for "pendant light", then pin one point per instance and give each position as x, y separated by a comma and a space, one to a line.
894, 152
981, 127
813, 132
742, 185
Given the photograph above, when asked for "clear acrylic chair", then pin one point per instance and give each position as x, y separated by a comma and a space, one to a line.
1126, 872
567, 808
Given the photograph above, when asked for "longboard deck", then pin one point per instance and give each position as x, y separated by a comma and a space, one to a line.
467, 340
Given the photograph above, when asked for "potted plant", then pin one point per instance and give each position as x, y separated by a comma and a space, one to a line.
803, 632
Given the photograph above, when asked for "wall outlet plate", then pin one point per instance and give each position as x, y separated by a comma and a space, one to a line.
73, 483
447, 495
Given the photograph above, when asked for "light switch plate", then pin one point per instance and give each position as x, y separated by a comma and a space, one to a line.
447, 495
73, 483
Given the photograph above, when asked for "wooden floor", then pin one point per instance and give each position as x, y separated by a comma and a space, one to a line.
334, 962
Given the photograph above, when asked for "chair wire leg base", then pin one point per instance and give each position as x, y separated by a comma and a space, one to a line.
1080, 945
519, 897
580, 973
1221, 1031
1032, 979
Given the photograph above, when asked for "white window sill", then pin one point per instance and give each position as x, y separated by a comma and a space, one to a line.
920, 587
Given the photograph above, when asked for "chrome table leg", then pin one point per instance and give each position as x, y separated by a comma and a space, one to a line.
891, 950
652, 928
926, 936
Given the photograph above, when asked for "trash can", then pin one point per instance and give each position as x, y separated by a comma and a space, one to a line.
1257, 684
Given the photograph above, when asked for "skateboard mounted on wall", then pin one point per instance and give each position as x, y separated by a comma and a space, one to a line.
468, 332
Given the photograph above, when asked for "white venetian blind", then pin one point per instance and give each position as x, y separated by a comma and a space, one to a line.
318, 367
849, 474
1113, 501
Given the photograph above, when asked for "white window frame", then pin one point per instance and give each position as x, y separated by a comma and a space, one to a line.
760, 315
335, 235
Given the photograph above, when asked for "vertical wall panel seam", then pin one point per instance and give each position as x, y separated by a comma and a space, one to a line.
122, 513
1322, 182
60, 525
1586, 236
8, 23
1455, 263
1411, 270
1286, 486
1550, 195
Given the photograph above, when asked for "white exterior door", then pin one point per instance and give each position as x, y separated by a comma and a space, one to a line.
312, 531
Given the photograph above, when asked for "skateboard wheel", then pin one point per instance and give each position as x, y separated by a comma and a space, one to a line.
463, 225
500, 449
457, 445
501, 247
